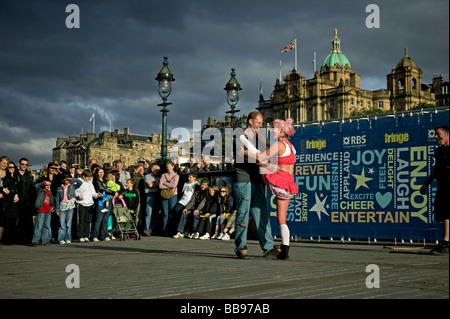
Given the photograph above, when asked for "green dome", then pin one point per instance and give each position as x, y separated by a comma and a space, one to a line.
334, 58
336, 55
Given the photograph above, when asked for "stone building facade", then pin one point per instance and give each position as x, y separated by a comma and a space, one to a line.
335, 91
108, 147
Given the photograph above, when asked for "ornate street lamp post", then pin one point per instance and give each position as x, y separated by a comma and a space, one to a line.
165, 79
232, 87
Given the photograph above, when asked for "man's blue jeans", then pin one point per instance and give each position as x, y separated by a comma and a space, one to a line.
151, 197
184, 218
251, 199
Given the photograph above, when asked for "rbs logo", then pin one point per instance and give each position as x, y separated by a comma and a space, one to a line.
354, 140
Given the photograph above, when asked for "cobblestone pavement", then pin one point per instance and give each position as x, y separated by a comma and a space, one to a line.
186, 269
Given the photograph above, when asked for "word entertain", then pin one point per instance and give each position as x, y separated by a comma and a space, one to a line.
370, 217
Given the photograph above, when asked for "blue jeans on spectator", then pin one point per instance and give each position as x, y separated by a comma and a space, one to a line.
184, 218
150, 198
65, 225
251, 199
167, 206
174, 217
42, 230
101, 221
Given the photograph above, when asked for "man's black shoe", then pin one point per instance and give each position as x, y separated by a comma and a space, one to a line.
274, 252
242, 253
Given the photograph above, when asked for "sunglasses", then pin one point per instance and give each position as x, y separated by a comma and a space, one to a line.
11, 167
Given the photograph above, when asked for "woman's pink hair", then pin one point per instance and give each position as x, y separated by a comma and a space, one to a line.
285, 126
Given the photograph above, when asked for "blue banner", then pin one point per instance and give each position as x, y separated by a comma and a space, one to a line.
361, 179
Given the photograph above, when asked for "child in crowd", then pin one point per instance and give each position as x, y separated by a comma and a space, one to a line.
85, 195
114, 186
131, 199
188, 190
65, 205
210, 211
45, 206
225, 207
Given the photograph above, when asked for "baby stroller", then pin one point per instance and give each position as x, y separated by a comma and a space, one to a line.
124, 225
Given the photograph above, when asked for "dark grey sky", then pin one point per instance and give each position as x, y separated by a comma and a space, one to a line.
52, 79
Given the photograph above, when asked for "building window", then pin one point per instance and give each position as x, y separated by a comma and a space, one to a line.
352, 101
368, 105
361, 104
331, 103
380, 104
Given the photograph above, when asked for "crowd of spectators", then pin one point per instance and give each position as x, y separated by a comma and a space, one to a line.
66, 202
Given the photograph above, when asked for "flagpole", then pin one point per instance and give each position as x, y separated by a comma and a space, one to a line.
93, 122
315, 67
280, 72
295, 54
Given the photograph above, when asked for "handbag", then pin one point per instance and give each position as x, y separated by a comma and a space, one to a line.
168, 192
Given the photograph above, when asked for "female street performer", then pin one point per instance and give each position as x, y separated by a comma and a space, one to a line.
281, 182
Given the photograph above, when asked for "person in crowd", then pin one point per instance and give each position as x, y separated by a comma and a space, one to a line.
441, 172
64, 206
123, 174
11, 204
191, 167
187, 191
73, 170
168, 181
45, 206
92, 161
151, 181
176, 165
85, 194
55, 177
146, 164
63, 167
195, 206
131, 169
250, 194
116, 187
100, 229
131, 199
207, 165
226, 204
281, 183
230, 226
27, 199
4, 162
79, 173
139, 186
107, 167
209, 213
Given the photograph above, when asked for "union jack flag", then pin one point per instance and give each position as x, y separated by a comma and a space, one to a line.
289, 47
